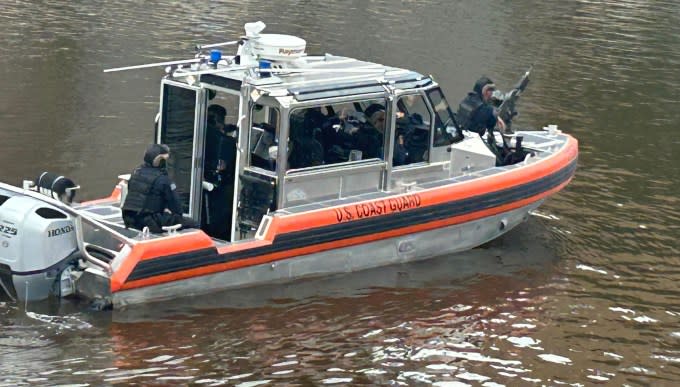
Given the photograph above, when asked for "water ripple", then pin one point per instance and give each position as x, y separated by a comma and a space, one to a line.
584, 293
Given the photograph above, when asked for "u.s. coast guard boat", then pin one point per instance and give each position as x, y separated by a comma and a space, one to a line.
305, 195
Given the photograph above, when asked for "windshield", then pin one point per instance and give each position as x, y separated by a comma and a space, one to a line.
444, 121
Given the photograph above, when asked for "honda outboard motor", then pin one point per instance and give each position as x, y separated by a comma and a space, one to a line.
37, 243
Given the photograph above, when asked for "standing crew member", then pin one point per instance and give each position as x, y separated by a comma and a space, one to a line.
220, 162
475, 112
152, 200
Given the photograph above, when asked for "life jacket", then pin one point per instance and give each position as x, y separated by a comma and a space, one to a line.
335, 142
466, 111
369, 141
140, 197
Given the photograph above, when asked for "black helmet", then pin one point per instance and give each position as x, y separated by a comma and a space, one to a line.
481, 82
154, 153
217, 110
373, 108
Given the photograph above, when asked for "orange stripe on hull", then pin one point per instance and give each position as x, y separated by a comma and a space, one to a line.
175, 276
456, 191
150, 249
320, 218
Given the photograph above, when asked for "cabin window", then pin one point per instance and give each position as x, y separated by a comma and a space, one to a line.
444, 123
264, 137
413, 123
336, 133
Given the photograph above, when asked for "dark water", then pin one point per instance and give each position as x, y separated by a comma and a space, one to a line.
584, 293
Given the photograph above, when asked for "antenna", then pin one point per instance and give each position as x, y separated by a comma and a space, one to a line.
200, 47
209, 71
374, 70
325, 71
158, 64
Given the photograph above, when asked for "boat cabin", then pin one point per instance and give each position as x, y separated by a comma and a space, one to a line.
302, 131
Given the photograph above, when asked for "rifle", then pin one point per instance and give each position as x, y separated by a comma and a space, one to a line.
506, 110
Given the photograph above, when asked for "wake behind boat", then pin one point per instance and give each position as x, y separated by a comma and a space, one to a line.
338, 165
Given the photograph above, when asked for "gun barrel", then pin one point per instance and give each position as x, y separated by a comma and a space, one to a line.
524, 81
507, 109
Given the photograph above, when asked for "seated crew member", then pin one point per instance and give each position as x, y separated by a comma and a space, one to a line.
475, 112
152, 200
376, 117
336, 139
305, 151
416, 136
220, 161
414, 131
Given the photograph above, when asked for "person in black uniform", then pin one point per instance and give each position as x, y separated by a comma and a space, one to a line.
152, 200
220, 161
375, 113
475, 113
220, 144
305, 150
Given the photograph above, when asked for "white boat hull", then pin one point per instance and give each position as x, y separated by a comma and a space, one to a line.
406, 248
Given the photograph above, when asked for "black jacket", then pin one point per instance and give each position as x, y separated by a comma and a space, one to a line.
475, 115
150, 189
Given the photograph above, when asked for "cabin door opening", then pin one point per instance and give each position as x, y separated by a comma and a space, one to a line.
257, 182
220, 139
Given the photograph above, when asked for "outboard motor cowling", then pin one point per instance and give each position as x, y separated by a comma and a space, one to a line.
37, 242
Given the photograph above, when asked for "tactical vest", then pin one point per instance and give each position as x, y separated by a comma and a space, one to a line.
466, 110
369, 141
307, 152
417, 141
140, 197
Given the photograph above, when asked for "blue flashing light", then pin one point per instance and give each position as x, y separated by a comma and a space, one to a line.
265, 64
215, 56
